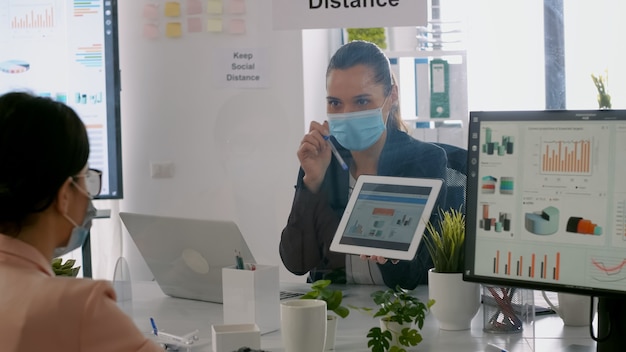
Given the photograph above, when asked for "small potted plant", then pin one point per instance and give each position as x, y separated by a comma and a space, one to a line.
333, 299
401, 319
65, 269
458, 300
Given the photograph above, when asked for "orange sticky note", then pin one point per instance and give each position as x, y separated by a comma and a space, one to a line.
150, 31
194, 24
150, 11
236, 6
172, 9
173, 30
194, 7
214, 7
214, 25
237, 26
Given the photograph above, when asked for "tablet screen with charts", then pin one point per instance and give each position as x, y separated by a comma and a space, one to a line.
386, 216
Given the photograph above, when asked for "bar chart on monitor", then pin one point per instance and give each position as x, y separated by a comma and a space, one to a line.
533, 266
566, 157
31, 19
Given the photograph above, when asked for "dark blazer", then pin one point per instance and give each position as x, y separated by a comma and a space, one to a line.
314, 218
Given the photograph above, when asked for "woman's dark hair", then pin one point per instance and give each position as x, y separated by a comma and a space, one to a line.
360, 52
42, 143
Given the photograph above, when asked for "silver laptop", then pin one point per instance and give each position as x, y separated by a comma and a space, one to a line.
186, 256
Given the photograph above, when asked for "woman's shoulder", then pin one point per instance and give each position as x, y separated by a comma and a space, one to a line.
401, 140
79, 289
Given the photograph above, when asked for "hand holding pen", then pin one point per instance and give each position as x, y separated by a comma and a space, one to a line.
315, 155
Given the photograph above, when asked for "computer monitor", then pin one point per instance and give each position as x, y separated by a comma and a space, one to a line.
68, 51
546, 201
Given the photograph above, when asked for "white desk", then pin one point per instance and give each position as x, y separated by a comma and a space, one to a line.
181, 316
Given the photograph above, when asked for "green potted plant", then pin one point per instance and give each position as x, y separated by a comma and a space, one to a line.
64, 269
376, 35
401, 319
604, 98
459, 300
333, 299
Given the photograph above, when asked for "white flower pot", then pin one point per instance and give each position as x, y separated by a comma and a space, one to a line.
456, 301
331, 331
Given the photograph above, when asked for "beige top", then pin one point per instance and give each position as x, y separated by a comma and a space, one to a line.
42, 312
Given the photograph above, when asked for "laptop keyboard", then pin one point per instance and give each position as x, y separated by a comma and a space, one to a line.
290, 294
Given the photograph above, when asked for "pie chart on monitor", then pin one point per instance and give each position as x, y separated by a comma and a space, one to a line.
14, 66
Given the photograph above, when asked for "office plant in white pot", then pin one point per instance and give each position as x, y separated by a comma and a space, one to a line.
333, 299
401, 317
458, 301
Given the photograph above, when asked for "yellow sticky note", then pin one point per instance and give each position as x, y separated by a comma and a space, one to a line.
214, 7
173, 30
214, 25
172, 9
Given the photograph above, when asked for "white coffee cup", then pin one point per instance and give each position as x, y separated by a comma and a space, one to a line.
573, 309
303, 325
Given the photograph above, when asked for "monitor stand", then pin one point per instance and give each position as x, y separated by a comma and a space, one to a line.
611, 324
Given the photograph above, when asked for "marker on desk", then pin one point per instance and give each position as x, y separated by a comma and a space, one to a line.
155, 331
493, 348
336, 153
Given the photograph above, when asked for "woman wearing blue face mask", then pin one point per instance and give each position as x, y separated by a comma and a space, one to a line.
364, 123
45, 212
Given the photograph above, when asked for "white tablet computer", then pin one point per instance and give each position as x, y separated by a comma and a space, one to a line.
386, 216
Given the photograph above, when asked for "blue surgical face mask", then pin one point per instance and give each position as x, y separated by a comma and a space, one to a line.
357, 130
79, 233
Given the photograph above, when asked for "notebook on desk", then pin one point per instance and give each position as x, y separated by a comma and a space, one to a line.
186, 256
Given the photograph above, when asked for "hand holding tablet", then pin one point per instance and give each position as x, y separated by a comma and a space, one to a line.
386, 216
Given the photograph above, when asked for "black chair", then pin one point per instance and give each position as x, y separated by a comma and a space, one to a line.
456, 176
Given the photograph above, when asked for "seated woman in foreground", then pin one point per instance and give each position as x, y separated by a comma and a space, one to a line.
45, 212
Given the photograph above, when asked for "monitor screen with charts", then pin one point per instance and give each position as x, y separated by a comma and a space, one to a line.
68, 51
546, 201
386, 216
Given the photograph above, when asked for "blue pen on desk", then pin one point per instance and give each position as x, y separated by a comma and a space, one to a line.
493, 348
336, 153
155, 331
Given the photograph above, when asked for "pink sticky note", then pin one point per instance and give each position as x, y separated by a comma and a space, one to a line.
237, 26
150, 11
236, 6
150, 31
194, 7
194, 24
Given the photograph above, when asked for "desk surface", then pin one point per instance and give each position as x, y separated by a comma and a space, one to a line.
180, 316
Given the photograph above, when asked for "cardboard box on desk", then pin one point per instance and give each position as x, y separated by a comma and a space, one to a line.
252, 296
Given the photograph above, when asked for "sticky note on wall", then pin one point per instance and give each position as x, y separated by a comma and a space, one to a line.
194, 25
194, 7
237, 26
173, 30
214, 25
150, 31
150, 11
236, 7
214, 7
172, 9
